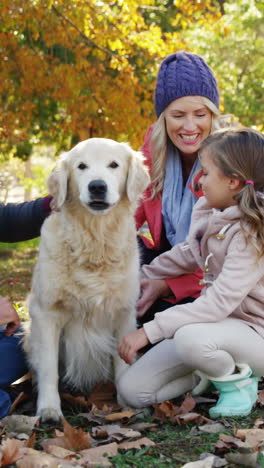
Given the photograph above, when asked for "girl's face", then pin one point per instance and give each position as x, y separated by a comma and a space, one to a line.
218, 189
188, 123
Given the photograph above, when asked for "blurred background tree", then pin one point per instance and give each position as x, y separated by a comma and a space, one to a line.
84, 68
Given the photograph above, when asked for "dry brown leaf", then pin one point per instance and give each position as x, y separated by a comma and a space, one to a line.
206, 463
75, 400
61, 452
31, 441
95, 456
259, 423
19, 423
197, 418
121, 416
242, 459
227, 442
144, 426
136, 444
212, 428
114, 431
165, 410
39, 460
188, 404
56, 441
221, 447
260, 399
71, 439
254, 438
103, 394
168, 411
76, 439
10, 449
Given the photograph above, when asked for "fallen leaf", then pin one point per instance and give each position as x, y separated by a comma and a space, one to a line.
260, 399
165, 410
259, 423
40, 460
255, 438
212, 428
188, 404
61, 452
10, 451
136, 444
218, 462
206, 463
227, 442
75, 400
144, 426
103, 393
197, 418
242, 459
76, 439
115, 432
97, 455
121, 416
72, 438
18, 423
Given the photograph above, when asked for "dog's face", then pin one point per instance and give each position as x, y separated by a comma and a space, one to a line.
101, 171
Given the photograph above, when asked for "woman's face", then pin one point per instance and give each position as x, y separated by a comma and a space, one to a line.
188, 123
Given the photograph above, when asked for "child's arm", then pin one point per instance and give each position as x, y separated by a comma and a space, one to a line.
240, 274
175, 262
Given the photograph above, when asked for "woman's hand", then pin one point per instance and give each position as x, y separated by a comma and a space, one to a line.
131, 343
151, 290
8, 316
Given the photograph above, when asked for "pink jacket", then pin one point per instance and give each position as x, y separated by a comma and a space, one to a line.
150, 210
233, 276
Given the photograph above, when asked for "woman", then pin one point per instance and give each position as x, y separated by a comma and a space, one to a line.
187, 107
18, 222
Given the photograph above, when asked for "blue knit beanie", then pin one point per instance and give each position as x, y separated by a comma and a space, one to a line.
184, 74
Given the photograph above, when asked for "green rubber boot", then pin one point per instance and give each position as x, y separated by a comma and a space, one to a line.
238, 393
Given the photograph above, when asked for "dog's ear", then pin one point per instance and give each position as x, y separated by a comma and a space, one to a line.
58, 180
138, 177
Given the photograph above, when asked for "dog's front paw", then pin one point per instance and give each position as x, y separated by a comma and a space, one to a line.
50, 415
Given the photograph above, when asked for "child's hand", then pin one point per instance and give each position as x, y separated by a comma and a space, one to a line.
151, 291
8, 316
131, 343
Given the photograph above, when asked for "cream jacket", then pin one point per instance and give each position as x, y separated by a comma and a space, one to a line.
233, 276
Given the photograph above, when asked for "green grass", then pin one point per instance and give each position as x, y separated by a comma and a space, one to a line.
17, 261
175, 445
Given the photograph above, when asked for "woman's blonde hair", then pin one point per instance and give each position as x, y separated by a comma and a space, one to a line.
239, 153
159, 143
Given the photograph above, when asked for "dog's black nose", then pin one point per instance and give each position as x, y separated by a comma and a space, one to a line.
97, 187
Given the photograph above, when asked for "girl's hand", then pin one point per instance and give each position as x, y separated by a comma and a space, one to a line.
151, 291
131, 343
8, 316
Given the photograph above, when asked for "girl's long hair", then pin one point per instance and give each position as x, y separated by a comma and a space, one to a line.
159, 142
240, 153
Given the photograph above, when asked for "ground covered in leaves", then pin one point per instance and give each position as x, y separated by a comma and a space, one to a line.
96, 432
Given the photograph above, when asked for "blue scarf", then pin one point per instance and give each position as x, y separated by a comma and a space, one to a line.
177, 200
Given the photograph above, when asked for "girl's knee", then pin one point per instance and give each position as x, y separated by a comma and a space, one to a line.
191, 344
130, 393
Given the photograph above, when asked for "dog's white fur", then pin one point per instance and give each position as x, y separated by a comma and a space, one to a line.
86, 281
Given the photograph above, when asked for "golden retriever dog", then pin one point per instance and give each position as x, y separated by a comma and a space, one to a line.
86, 281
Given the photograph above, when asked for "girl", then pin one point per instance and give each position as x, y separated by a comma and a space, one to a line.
220, 334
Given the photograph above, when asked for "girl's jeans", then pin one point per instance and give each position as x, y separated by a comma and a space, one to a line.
13, 366
166, 371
